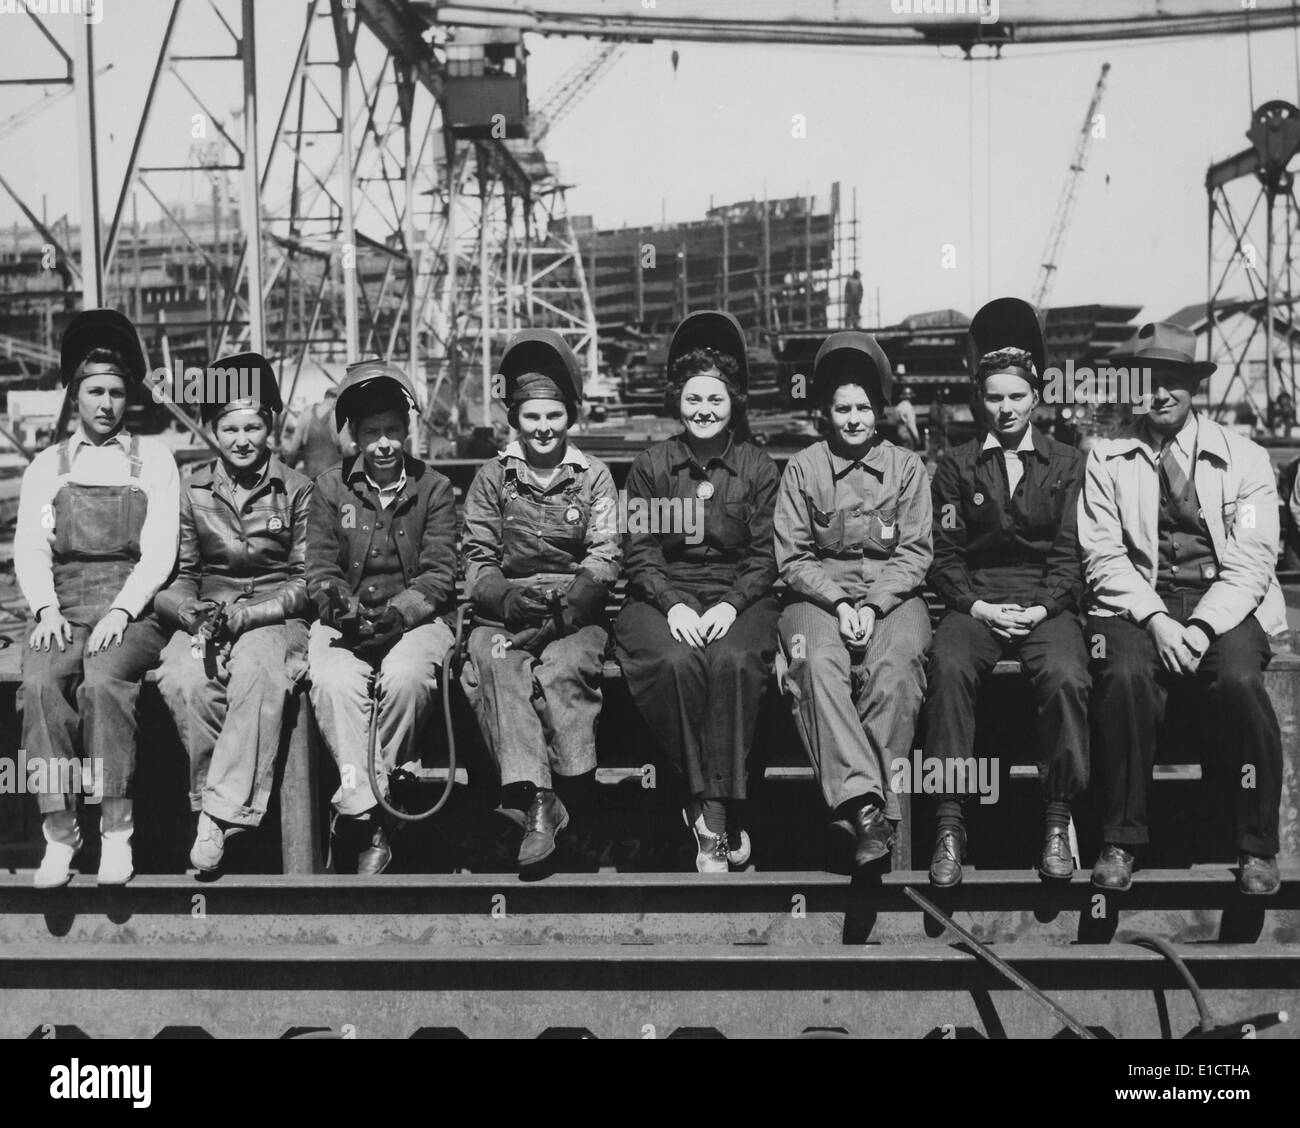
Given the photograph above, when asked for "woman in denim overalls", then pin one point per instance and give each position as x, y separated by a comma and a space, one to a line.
96, 538
541, 552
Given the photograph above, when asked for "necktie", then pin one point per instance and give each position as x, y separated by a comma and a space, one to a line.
1175, 479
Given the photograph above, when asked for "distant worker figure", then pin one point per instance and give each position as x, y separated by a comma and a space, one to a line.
909, 435
853, 300
1281, 416
315, 444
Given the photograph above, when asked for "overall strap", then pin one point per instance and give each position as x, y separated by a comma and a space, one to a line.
65, 459
134, 455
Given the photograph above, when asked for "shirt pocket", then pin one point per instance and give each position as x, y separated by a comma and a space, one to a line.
827, 527
735, 524
881, 531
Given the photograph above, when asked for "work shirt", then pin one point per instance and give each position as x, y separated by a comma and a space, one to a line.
518, 527
727, 553
854, 528
402, 555
997, 544
105, 465
250, 554
1012, 458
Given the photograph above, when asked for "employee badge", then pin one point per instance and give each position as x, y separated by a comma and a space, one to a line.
573, 514
887, 531
1209, 573
978, 499
704, 491
274, 524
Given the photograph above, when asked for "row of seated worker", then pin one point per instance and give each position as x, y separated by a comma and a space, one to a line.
1140, 574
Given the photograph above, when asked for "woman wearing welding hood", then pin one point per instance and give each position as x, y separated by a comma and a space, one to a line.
381, 569
96, 539
1007, 567
238, 606
541, 552
697, 636
853, 544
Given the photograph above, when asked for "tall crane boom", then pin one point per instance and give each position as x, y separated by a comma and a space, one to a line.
1064, 206
566, 93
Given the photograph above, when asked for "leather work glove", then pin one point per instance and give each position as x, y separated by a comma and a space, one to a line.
385, 628
523, 607
584, 603
333, 602
194, 613
535, 639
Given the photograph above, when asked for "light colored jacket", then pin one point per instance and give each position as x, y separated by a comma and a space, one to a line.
1118, 534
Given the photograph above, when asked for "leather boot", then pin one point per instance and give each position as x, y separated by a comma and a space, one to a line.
945, 862
546, 818
1057, 863
377, 856
1114, 869
1259, 875
874, 833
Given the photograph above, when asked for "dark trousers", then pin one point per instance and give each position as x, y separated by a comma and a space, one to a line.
1053, 655
701, 704
1130, 693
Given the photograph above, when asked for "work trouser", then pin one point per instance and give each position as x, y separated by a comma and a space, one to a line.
230, 721
1055, 660
855, 710
64, 691
537, 714
340, 696
701, 704
1131, 690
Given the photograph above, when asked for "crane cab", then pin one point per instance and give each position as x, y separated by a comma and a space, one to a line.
484, 95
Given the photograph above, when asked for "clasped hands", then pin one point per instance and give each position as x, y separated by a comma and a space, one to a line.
1180, 648
1008, 621
699, 628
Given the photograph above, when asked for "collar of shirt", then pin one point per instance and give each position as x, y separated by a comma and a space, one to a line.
1032, 440
680, 455
873, 460
386, 493
221, 473
79, 438
1184, 442
572, 455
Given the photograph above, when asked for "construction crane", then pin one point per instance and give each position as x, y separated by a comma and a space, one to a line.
1056, 237
567, 92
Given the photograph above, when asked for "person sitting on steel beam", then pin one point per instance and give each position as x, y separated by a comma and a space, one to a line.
1178, 522
853, 546
1006, 566
541, 552
381, 568
239, 607
95, 540
697, 635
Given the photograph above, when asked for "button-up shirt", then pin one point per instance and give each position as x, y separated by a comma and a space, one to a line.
995, 543
386, 494
1011, 456
728, 554
580, 500
104, 465
854, 528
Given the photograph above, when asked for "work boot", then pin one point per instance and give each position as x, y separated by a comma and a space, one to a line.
378, 856
546, 818
1057, 863
710, 848
116, 824
1259, 875
1114, 869
875, 835
945, 862
62, 842
210, 843
739, 847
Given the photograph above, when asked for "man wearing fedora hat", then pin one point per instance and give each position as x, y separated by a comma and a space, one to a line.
95, 540
853, 546
1178, 522
1006, 566
381, 568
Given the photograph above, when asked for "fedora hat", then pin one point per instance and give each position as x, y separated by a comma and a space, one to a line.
544, 352
712, 329
101, 329
853, 357
1163, 344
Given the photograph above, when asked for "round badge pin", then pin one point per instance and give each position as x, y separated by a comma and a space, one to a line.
573, 514
704, 490
275, 524
978, 499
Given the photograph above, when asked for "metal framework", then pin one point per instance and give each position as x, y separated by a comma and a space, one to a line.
1253, 272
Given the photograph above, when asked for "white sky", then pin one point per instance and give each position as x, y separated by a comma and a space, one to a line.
906, 128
